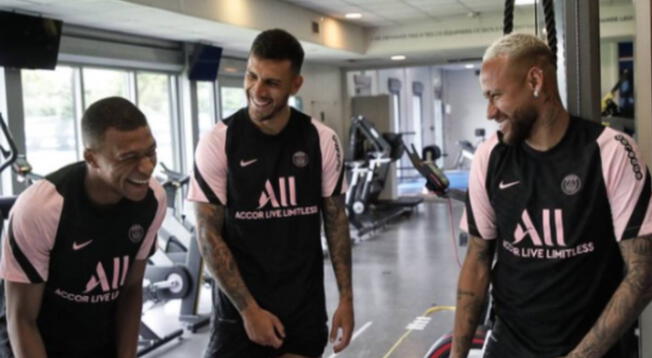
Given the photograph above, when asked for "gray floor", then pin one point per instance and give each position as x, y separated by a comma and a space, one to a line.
398, 275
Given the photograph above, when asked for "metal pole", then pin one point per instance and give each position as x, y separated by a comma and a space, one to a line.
580, 28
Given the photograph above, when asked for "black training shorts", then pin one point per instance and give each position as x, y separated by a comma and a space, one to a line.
305, 337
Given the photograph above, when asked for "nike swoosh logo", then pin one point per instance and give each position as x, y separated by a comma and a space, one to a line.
76, 246
247, 163
503, 186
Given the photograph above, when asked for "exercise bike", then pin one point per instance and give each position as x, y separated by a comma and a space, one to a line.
175, 271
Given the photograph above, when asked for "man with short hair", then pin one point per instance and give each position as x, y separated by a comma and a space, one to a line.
261, 180
75, 250
565, 204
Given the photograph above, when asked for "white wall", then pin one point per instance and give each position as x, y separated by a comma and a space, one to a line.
460, 90
322, 92
467, 111
423, 75
407, 76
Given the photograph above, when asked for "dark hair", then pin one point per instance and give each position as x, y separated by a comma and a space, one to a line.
110, 112
277, 44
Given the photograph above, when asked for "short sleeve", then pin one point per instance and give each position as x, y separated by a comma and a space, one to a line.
208, 182
30, 234
627, 181
148, 247
332, 161
479, 218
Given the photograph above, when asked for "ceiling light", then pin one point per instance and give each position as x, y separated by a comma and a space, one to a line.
524, 2
398, 58
230, 69
353, 15
469, 66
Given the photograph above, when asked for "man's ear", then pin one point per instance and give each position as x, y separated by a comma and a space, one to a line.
535, 79
90, 158
297, 82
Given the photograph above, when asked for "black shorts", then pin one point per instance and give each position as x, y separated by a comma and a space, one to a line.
502, 343
228, 339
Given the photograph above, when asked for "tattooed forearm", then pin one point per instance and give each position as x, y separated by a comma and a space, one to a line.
336, 226
626, 304
471, 294
218, 256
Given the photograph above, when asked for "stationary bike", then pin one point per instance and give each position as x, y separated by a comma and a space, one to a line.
175, 271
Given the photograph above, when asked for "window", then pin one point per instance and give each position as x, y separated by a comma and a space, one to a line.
396, 108
53, 111
205, 106
154, 101
48, 99
417, 112
102, 83
438, 112
233, 98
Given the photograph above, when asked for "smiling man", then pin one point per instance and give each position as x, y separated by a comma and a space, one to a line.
75, 251
564, 203
262, 178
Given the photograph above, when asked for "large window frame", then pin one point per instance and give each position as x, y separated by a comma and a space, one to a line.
80, 103
235, 82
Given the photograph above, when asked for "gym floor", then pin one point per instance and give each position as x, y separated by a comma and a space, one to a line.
399, 274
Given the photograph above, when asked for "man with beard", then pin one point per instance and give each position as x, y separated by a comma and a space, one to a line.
260, 182
564, 203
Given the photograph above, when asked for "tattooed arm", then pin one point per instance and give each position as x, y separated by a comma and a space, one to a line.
336, 226
262, 326
626, 304
471, 293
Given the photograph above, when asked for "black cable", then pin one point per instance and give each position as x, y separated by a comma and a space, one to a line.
508, 19
551, 30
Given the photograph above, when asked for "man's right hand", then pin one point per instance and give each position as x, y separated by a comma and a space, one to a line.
471, 293
263, 327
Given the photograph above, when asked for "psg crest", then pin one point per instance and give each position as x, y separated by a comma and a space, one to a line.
300, 159
571, 184
136, 233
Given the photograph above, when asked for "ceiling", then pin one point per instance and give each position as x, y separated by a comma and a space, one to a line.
379, 13
127, 17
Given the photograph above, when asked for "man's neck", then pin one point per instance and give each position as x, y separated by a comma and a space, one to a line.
549, 128
274, 125
97, 191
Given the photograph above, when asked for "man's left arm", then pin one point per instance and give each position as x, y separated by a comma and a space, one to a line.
627, 302
336, 225
130, 303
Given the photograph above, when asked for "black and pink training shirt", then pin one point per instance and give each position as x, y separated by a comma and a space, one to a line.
557, 218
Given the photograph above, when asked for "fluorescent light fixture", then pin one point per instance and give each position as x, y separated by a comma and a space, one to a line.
469, 66
353, 15
523, 2
230, 69
398, 58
